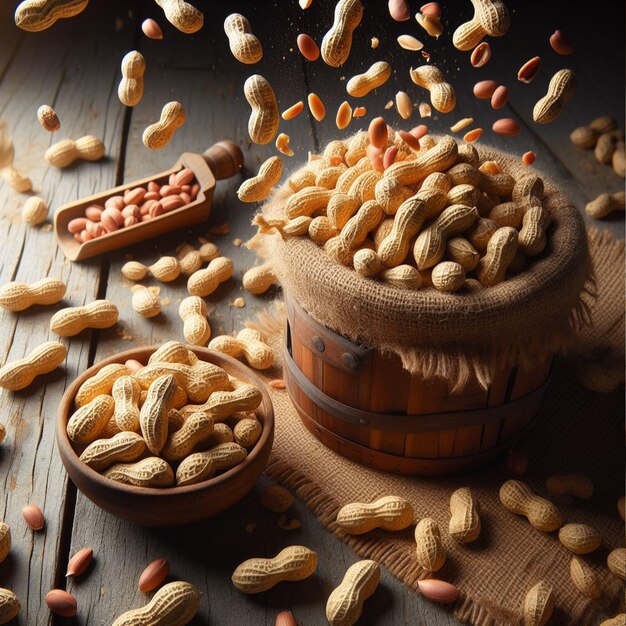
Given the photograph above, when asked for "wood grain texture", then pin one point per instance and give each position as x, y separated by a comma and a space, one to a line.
29, 465
200, 66
74, 66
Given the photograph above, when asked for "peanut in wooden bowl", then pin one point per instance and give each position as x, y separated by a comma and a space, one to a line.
172, 506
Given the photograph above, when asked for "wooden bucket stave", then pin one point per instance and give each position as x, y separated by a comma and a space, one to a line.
365, 406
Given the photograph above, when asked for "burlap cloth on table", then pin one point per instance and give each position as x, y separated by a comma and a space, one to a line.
451, 336
578, 431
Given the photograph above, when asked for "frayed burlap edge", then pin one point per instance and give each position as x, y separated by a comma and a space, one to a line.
428, 350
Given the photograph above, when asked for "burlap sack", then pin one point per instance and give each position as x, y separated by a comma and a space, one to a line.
577, 431
447, 335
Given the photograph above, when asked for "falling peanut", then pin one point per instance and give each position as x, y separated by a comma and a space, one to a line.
378, 74
264, 119
130, 90
245, 47
338, 40
491, 17
560, 91
182, 15
38, 15
442, 95
159, 134
258, 187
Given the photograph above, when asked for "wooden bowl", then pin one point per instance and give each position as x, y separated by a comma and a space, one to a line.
172, 506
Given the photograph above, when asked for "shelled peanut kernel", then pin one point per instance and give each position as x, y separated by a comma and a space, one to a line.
135, 205
185, 399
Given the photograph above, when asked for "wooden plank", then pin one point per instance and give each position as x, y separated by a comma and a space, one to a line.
48, 67
524, 382
472, 396
497, 395
339, 384
446, 443
365, 385
389, 394
305, 403
307, 363
312, 369
387, 441
302, 358
422, 445
364, 398
425, 396
391, 385
467, 441
342, 387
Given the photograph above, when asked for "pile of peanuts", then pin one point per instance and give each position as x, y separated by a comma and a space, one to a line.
173, 421
394, 514
136, 205
415, 211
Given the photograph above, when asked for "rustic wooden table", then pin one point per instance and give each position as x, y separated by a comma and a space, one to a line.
74, 66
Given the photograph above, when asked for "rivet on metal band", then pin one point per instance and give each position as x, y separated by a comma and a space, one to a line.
318, 343
349, 360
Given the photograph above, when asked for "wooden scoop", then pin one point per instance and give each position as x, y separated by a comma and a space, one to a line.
220, 161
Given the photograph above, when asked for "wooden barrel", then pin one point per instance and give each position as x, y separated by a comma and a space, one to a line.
365, 406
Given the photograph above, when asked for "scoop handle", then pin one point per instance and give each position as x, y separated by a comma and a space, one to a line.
224, 158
